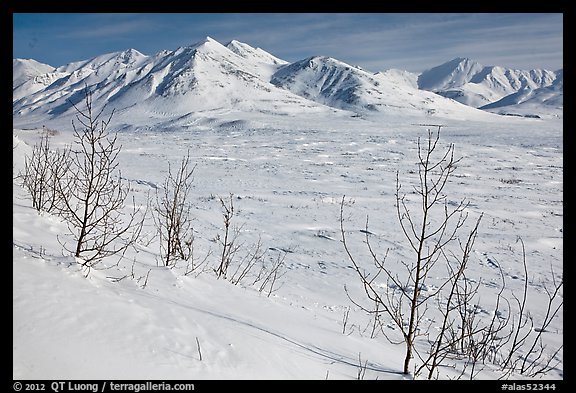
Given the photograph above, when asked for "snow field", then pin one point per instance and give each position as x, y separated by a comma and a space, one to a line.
287, 184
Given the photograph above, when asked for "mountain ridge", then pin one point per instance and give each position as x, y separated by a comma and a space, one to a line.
473, 84
197, 84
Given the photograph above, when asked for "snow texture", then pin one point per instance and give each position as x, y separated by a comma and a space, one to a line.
288, 141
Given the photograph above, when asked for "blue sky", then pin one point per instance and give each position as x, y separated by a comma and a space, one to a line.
374, 41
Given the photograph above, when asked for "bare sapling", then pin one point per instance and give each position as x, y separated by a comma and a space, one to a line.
173, 219
95, 202
428, 230
511, 339
42, 172
239, 262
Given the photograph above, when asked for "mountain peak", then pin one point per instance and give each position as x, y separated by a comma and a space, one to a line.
134, 52
237, 46
453, 73
206, 42
130, 55
460, 60
31, 63
256, 54
25, 69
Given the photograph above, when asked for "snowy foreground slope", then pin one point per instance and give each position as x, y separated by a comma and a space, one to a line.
288, 179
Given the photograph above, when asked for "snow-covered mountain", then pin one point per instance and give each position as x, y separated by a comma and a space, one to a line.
213, 84
470, 83
30, 76
26, 69
451, 74
339, 85
170, 89
263, 63
527, 101
210, 84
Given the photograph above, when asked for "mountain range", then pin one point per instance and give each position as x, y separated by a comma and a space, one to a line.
210, 84
490, 87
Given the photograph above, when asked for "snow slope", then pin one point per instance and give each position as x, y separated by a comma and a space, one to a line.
287, 184
401, 77
265, 64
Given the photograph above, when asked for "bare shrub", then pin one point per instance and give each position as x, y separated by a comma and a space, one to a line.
93, 193
513, 343
403, 300
43, 170
173, 219
239, 262
228, 241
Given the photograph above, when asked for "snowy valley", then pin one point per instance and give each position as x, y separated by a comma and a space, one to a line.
294, 146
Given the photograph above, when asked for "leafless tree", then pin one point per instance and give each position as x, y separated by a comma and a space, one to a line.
428, 230
511, 339
459, 328
173, 219
94, 194
228, 241
42, 172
